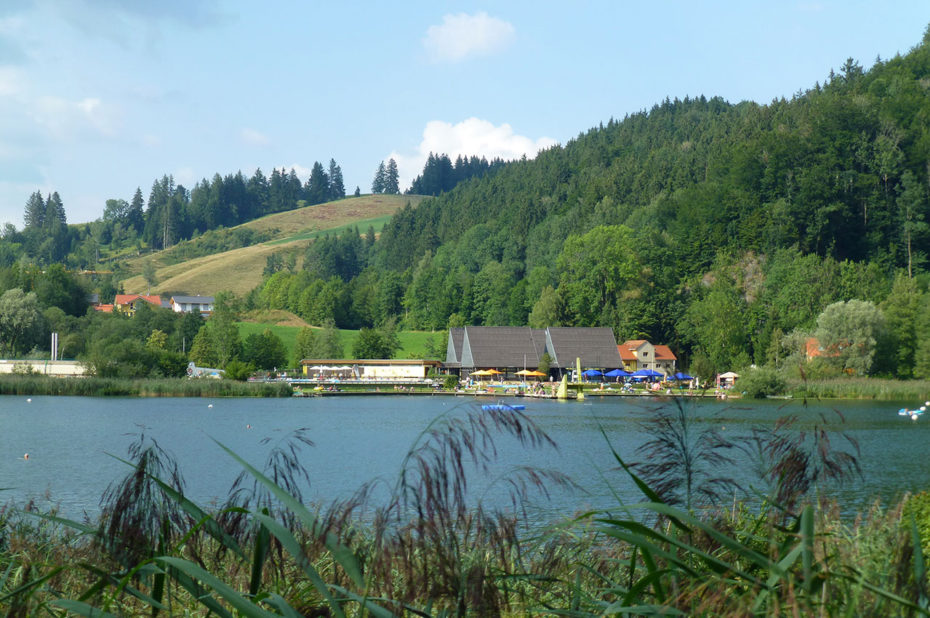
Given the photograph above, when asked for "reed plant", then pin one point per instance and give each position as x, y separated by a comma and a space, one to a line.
119, 387
847, 387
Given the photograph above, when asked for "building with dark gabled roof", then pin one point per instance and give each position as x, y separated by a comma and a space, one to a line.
595, 346
454, 348
501, 347
520, 347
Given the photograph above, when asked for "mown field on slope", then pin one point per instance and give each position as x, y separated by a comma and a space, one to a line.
240, 270
413, 344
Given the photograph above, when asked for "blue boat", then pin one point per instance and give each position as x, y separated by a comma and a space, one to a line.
502, 407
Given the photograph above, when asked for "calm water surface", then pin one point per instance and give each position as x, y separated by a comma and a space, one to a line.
72, 442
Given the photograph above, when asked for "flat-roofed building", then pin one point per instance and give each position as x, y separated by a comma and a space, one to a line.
367, 369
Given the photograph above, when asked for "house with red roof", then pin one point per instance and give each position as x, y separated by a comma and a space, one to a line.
640, 354
127, 303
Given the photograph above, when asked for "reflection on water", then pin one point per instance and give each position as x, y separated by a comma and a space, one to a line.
72, 443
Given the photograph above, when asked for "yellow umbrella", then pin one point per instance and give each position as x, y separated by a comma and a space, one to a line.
481, 372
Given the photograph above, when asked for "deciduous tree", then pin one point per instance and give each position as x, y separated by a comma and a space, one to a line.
850, 333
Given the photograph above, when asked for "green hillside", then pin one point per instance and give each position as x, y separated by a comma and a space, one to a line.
717, 228
207, 264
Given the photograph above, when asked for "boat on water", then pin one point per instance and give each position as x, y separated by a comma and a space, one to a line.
502, 407
916, 413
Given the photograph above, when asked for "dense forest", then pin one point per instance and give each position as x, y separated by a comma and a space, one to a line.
732, 232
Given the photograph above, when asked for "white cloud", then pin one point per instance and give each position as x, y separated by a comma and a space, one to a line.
64, 118
302, 172
471, 137
253, 137
462, 35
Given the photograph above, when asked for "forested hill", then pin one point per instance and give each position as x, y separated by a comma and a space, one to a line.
822, 171
714, 227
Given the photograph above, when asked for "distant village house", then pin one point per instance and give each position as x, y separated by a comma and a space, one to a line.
192, 304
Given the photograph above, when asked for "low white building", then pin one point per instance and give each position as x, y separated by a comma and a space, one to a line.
370, 369
60, 369
191, 304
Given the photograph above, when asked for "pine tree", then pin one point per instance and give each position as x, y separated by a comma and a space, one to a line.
258, 192
377, 186
337, 189
54, 211
391, 178
34, 217
317, 189
136, 215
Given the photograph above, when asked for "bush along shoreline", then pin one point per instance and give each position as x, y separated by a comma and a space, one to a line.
425, 550
122, 387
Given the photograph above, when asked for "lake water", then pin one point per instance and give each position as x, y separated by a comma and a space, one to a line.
72, 441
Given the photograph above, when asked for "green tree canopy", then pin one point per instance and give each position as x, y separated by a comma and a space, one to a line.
20, 321
850, 333
264, 351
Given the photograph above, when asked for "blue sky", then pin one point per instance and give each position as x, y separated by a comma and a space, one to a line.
98, 97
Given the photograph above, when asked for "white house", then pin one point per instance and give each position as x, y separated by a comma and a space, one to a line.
190, 304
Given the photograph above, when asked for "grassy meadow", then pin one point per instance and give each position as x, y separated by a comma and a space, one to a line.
414, 344
240, 270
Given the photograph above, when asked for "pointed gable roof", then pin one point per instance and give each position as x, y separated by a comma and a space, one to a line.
595, 346
499, 346
454, 347
126, 299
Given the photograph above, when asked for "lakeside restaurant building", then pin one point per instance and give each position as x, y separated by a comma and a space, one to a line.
513, 348
369, 370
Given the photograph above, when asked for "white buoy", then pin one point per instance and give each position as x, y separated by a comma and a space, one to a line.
210, 405
248, 426
28, 400
913, 417
26, 456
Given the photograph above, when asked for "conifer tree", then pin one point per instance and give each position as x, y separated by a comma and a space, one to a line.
317, 190
391, 178
136, 215
337, 189
34, 217
377, 186
54, 211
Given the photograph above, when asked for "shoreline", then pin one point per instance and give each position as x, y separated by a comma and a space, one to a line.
864, 389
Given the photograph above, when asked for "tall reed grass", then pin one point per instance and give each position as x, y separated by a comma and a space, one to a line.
166, 387
861, 388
